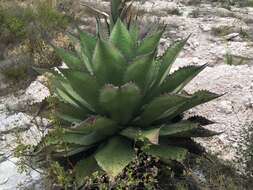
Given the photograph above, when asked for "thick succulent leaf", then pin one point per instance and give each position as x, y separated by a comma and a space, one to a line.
179, 79
178, 128
134, 32
120, 102
87, 62
88, 43
121, 38
71, 60
149, 44
109, 63
102, 128
83, 128
186, 129
201, 120
198, 98
65, 92
186, 143
198, 132
85, 168
168, 104
71, 114
139, 71
152, 135
168, 59
85, 86
115, 155
65, 97
68, 151
166, 153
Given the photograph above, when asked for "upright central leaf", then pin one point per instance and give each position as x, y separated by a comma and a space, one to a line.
139, 71
109, 63
120, 102
121, 38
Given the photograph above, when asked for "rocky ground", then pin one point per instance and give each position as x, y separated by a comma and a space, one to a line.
215, 33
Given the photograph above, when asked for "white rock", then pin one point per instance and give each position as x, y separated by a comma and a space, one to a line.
10, 178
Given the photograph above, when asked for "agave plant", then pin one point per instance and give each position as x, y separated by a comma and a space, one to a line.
117, 95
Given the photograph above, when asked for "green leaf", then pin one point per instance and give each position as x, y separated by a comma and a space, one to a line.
186, 143
65, 92
68, 151
115, 155
152, 135
168, 59
149, 44
120, 102
166, 153
139, 71
121, 38
198, 98
101, 128
85, 86
109, 63
199, 132
134, 32
201, 120
164, 104
178, 128
71, 60
179, 79
71, 114
88, 44
85, 168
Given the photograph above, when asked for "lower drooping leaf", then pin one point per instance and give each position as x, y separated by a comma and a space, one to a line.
115, 155
101, 129
186, 129
152, 135
201, 120
177, 128
67, 94
166, 103
85, 85
70, 114
186, 143
199, 132
120, 103
166, 153
198, 98
69, 151
71, 60
85, 168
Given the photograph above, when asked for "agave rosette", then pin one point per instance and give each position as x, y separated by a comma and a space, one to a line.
116, 95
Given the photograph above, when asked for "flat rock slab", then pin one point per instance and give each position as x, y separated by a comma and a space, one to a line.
232, 112
11, 179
